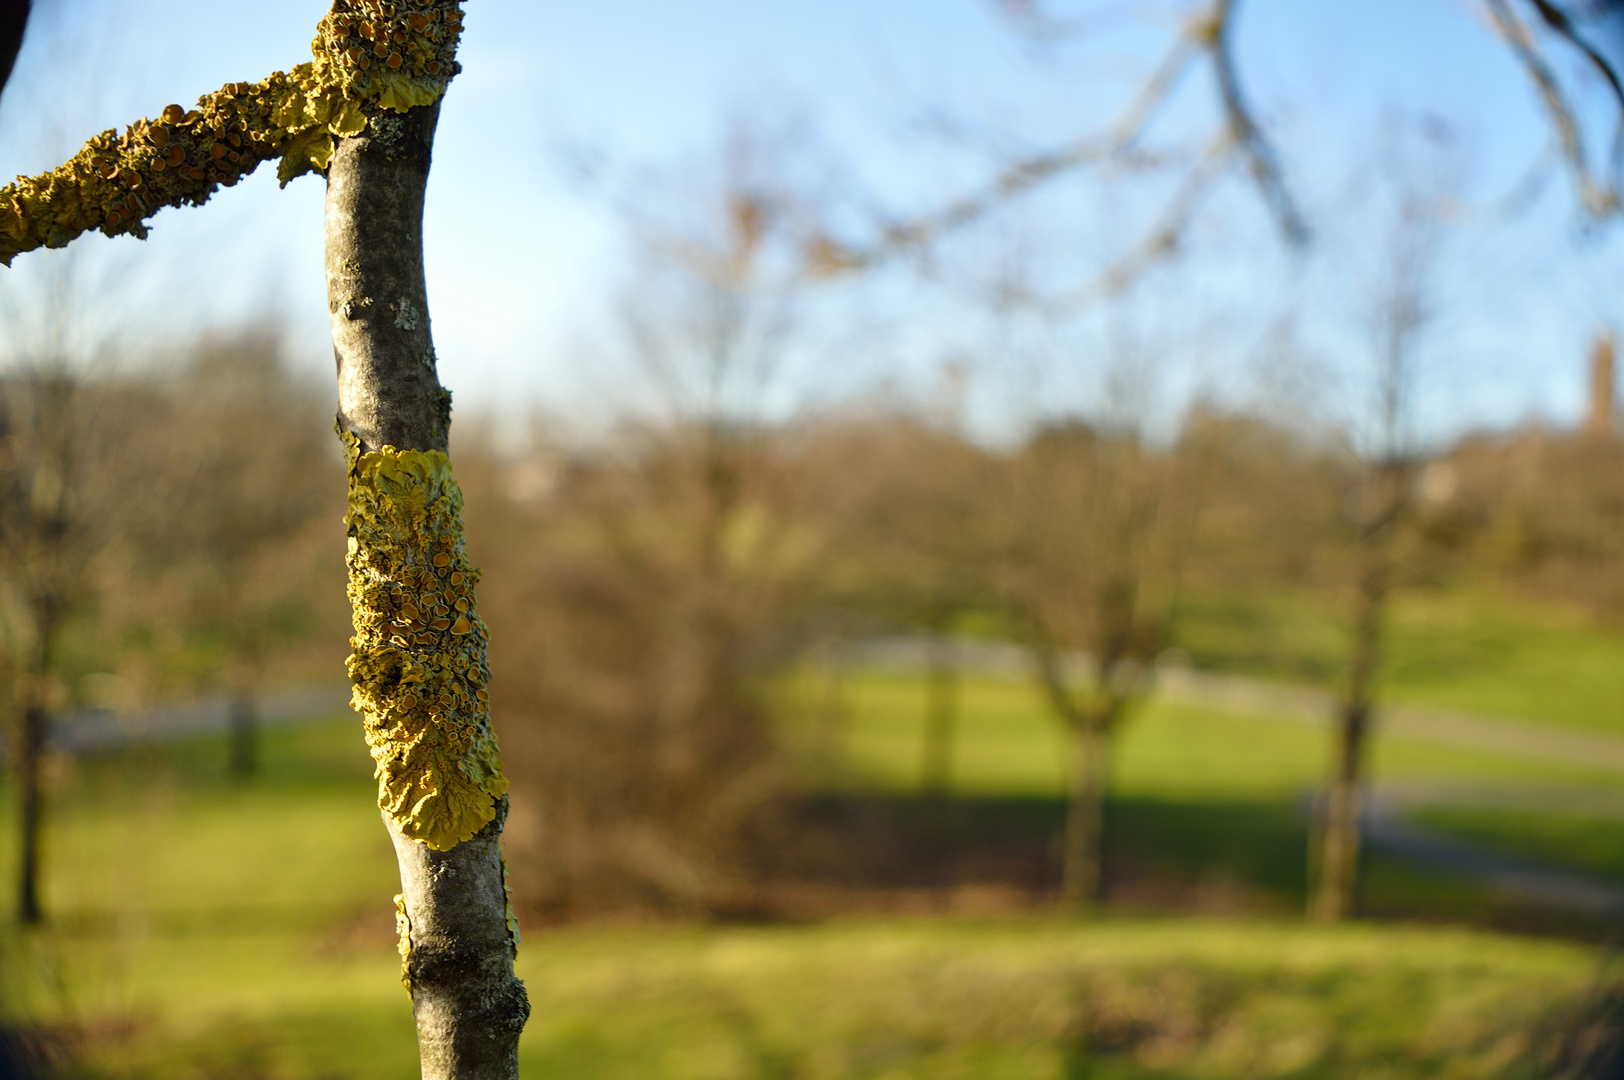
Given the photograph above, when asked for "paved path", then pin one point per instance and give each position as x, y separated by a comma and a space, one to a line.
1285, 701
94, 730
1515, 877
1388, 827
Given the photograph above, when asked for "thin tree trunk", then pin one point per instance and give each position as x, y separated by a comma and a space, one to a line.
243, 723
1082, 863
36, 720
1340, 837
941, 716
29, 751
458, 939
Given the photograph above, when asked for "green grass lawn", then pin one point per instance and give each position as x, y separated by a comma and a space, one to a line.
1214, 801
1588, 842
1460, 649
203, 929
1007, 743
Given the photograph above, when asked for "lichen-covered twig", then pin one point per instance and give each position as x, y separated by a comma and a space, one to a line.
369, 55
363, 113
418, 656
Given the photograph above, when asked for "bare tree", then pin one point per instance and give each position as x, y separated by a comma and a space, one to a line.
655, 586
49, 531
1401, 306
364, 113
1095, 557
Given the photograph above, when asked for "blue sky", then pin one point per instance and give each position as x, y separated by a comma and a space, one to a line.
523, 271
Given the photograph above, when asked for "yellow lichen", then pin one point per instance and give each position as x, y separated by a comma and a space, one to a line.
512, 916
403, 927
369, 55
419, 678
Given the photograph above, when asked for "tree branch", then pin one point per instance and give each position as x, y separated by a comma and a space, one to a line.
116, 182
1265, 166
1599, 200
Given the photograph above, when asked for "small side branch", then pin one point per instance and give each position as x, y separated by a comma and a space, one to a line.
368, 56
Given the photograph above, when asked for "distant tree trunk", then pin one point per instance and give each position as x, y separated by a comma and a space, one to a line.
1337, 861
32, 743
458, 938
1342, 825
30, 754
1089, 724
243, 723
1082, 873
941, 715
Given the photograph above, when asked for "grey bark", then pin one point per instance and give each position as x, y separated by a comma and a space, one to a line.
468, 1006
389, 391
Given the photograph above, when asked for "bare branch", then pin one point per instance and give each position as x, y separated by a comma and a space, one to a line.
1557, 19
1260, 155
1164, 238
116, 182
1210, 34
828, 256
1599, 200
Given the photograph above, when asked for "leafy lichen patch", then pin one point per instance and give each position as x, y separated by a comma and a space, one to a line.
369, 56
403, 929
417, 668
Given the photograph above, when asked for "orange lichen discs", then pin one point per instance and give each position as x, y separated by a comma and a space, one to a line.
462, 625
442, 559
394, 60
174, 114
177, 154
159, 135
113, 219
381, 48
217, 150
